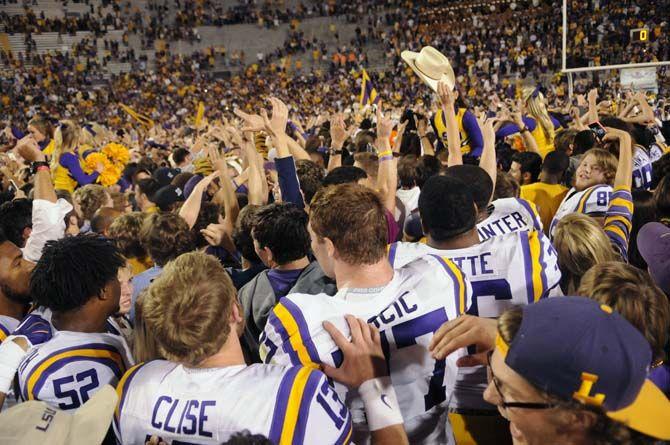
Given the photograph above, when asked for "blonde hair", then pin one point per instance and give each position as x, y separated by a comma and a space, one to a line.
632, 293
144, 344
606, 161
87, 138
187, 308
66, 140
538, 110
580, 243
90, 198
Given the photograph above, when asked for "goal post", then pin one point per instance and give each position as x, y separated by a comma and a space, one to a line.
570, 71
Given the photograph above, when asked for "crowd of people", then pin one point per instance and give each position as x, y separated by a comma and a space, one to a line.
303, 268
449, 250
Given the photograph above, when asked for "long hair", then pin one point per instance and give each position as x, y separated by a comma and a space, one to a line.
581, 244
535, 104
66, 138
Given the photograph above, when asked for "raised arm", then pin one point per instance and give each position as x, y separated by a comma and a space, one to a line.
338, 135
624, 171
30, 151
387, 177
191, 208
286, 171
488, 159
528, 139
448, 99
422, 132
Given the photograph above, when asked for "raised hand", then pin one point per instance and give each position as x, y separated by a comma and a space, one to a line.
276, 125
252, 122
214, 234
446, 95
384, 125
29, 150
338, 131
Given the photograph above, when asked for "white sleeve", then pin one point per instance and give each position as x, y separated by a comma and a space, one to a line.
48, 224
329, 421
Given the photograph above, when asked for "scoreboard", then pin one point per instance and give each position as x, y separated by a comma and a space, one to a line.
639, 35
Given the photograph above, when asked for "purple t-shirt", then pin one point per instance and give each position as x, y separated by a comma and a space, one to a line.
393, 230
283, 280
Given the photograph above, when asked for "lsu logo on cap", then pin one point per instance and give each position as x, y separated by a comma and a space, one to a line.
584, 393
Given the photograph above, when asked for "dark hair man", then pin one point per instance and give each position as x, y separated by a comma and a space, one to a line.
282, 243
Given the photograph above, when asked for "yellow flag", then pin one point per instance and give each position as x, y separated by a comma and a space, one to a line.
200, 113
141, 118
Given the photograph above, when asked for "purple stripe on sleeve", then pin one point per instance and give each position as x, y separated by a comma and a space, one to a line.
525, 205
124, 393
286, 346
392, 252
454, 278
346, 433
295, 311
528, 266
111, 364
281, 403
100, 346
543, 265
305, 404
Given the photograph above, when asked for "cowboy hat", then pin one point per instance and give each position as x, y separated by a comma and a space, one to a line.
431, 66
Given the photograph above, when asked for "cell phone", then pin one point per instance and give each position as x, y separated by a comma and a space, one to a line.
598, 130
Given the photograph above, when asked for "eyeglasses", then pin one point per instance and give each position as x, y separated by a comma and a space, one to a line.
522, 405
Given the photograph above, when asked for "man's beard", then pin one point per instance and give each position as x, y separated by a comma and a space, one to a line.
15, 297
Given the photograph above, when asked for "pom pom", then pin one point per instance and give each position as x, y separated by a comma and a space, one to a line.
117, 153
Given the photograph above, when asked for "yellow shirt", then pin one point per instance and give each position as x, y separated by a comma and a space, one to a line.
547, 198
140, 265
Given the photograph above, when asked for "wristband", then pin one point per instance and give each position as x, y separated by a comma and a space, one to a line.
381, 403
385, 153
11, 355
36, 166
42, 168
386, 158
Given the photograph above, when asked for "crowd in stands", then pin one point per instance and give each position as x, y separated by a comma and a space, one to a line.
447, 250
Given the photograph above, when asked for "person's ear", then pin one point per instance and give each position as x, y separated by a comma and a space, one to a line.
236, 314
26, 233
579, 420
525, 177
267, 253
330, 248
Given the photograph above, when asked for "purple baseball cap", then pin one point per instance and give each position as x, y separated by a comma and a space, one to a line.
575, 348
653, 242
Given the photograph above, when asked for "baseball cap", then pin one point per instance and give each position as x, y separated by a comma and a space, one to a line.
35, 422
578, 349
166, 196
653, 242
165, 175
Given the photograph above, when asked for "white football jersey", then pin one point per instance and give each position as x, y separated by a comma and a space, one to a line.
419, 299
514, 269
7, 326
289, 405
592, 201
508, 215
66, 370
641, 168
